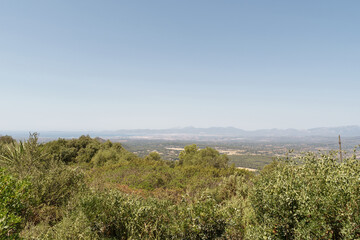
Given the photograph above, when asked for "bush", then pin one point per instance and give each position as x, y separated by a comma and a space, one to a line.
52, 182
13, 204
75, 150
22, 159
202, 219
6, 139
71, 227
317, 199
117, 215
208, 157
104, 156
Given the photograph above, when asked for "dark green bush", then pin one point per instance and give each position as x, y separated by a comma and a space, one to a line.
79, 150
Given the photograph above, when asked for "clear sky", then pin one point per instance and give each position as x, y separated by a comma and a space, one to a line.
107, 65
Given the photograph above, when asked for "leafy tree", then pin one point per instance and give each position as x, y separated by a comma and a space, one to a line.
81, 150
6, 139
191, 155
87, 153
153, 156
105, 155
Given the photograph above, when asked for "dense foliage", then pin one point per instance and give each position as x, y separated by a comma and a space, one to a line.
317, 199
13, 196
88, 188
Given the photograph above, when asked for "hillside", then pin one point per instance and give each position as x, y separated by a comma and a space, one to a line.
88, 188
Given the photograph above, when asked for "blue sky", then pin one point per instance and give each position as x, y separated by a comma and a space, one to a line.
107, 65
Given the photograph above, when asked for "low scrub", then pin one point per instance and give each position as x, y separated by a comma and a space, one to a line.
87, 189
314, 197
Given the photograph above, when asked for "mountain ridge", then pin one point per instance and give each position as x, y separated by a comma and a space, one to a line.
344, 131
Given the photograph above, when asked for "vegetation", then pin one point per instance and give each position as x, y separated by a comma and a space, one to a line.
91, 189
13, 196
317, 199
6, 139
250, 161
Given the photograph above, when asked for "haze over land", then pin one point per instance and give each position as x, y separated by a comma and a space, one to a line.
206, 133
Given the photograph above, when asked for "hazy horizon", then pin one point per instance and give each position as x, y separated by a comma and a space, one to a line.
97, 66
174, 128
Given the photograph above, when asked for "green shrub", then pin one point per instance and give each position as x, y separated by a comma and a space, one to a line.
56, 183
232, 197
74, 150
13, 204
76, 227
52, 182
120, 216
153, 156
318, 198
84, 155
202, 219
23, 158
105, 156
191, 155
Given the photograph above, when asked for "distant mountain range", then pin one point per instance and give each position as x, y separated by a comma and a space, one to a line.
345, 131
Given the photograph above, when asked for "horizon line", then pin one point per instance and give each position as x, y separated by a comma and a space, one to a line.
181, 128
